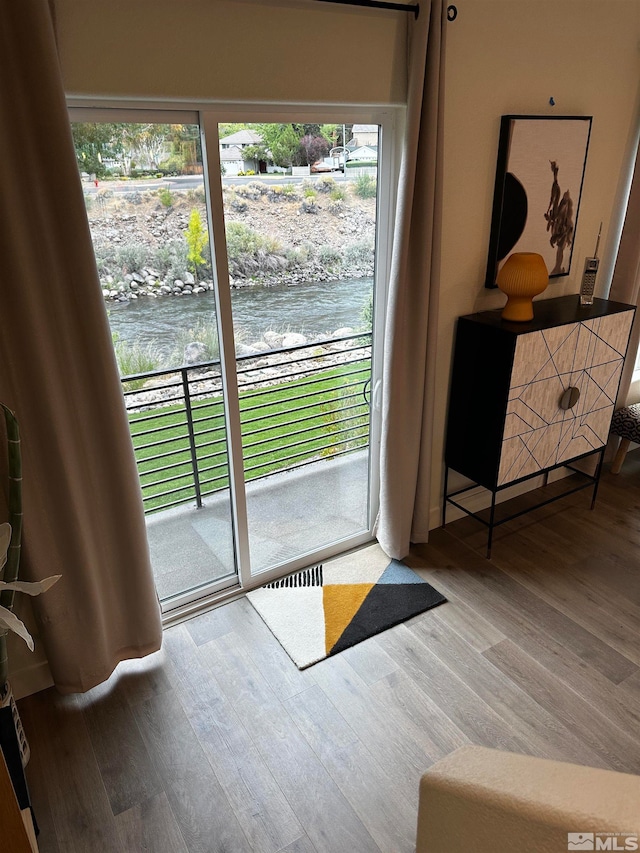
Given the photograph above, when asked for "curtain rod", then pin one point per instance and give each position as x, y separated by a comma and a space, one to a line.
378, 4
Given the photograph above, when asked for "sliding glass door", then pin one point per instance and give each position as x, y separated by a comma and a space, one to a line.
241, 261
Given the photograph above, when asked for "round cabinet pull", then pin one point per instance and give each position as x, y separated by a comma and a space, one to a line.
570, 398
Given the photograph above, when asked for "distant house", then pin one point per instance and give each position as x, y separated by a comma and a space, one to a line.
363, 134
364, 152
231, 152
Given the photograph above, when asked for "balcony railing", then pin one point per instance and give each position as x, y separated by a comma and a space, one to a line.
298, 405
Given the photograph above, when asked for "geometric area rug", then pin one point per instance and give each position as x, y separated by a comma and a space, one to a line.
325, 609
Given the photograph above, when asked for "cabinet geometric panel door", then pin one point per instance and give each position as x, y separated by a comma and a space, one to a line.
587, 356
528, 397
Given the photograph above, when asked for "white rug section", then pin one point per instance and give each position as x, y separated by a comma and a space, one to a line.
363, 566
296, 617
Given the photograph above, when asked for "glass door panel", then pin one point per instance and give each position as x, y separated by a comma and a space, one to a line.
300, 220
144, 191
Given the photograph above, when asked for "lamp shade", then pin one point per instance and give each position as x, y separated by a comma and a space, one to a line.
523, 276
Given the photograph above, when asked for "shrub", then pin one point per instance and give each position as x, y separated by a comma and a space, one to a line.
329, 257
309, 206
170, 259
197, 238
299, 256
366, 315
131, 257
335, 207
250, 253
196, 196
309, 192
135, 358
359, 254
365, 186
166, 196
326, 184
203, 332
338, 194
288, 189
238, 204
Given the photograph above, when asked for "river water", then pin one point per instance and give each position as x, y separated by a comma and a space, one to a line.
314, 308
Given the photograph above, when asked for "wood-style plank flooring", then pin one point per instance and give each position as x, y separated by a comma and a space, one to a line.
218, 743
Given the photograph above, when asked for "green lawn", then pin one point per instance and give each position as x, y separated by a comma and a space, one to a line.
282, 426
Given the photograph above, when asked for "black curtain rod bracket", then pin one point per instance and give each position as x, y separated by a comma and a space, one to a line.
378, 4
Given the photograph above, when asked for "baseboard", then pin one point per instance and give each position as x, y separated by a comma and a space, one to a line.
31, 679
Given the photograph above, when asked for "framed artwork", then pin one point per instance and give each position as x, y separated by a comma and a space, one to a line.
539, 175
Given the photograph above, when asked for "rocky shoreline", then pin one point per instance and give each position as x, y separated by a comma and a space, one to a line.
284, 238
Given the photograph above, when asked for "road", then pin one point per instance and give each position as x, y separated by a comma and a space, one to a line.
184, 182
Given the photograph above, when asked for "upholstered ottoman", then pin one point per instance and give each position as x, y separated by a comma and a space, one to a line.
626, 424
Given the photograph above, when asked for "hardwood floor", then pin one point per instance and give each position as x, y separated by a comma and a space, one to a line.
218, 743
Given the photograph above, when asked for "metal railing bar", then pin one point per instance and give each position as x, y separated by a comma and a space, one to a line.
204, 432
150, 430
223, 464
170, 492
179, 476
314, 416
170, 371
326, 360
282, 400
329, 430
269, 380
172, 466
334, 435
145, 405
308, 356
159, 442
315, 457
200, 406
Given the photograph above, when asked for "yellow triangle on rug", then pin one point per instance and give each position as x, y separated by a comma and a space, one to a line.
341, 602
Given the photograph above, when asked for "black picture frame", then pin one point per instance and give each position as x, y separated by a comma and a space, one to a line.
538, 187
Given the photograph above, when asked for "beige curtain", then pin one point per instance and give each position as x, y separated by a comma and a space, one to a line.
625, 285
82, 509
410, 334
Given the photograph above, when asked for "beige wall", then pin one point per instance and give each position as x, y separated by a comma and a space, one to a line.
509, 57
284, 50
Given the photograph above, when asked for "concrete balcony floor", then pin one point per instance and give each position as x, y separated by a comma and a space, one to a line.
289, 514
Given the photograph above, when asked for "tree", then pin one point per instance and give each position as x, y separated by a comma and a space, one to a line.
313, 148
197, 238
283, 141
94, 143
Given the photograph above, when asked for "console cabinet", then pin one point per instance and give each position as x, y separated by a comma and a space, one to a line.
530, 397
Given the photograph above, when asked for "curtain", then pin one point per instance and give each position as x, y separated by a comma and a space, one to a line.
625, 285
411, 327
83, 514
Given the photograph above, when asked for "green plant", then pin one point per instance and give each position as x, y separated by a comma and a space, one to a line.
288, 189
133, 359
366, 314
197, 238
10, 546
338, 194
326, 184
365, 186
203, 332
166, 196
131, 257
250, 253
359, 254
329, 257
309, 192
